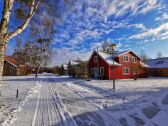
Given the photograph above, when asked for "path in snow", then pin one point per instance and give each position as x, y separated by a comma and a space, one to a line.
44, 109
55, 104
84, 111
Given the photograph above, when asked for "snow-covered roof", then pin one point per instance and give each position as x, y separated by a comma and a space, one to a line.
74, 62
121, 53
65, 66
158, 63
108, 58
12, 61
143, 64
126, 51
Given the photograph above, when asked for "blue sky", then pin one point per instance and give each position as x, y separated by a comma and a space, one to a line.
131, 24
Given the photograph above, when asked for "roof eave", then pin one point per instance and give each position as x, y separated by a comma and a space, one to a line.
12, 63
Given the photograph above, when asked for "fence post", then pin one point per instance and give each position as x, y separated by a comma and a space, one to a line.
17, 93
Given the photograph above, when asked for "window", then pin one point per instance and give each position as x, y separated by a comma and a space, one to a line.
101, 70
134, 59
126, 58
95, 59
126, 70
135, 71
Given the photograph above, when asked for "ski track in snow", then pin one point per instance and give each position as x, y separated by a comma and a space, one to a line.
44, 109
109, 120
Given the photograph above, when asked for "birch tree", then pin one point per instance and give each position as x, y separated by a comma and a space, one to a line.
8, 6
5, 36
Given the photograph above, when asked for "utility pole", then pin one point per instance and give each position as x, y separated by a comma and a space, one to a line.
97, 62
112, 46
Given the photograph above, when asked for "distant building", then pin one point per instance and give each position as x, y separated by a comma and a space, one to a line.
65, 66
79, 68
158, 67
13, 68
126, 65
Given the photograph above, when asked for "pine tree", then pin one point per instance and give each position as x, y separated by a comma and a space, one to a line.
71, 70
61, 70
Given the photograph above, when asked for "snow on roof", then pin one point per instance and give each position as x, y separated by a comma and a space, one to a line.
108, 58
12, 61
74, 62
158, 63
143, 64
126, 51
120, 53
65, 66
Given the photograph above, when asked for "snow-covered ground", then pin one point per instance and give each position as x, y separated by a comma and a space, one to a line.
10, 105
63, 101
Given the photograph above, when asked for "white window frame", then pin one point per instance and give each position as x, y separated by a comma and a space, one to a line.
134, 59
134, 72
124, 58
124, 71
102, 71
95, 59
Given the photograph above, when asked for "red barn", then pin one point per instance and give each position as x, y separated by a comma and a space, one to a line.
126, 65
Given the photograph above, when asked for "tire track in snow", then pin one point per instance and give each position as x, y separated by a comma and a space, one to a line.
35, 114
92, 103
44, 109
103, 113
66, 117
108, 119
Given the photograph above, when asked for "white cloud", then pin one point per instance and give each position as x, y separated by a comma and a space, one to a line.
63, 55
163, 36
121, 7
81, 36
90, 20
163, 17
154, 32
149, 5
138, 26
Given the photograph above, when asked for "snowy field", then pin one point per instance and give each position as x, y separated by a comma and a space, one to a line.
62, 101
10, 105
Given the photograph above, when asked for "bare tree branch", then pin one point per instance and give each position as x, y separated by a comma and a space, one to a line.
33, 9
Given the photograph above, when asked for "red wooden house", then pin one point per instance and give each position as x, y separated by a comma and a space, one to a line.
126, 65
14, 68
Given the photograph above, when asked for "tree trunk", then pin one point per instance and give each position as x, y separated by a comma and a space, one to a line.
36, 75
2, 55
36, 72
2, 52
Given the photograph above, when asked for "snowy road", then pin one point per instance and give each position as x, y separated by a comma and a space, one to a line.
63, 101
46, 108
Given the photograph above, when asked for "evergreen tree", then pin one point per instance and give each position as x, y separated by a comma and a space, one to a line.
61, 70
71, 70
